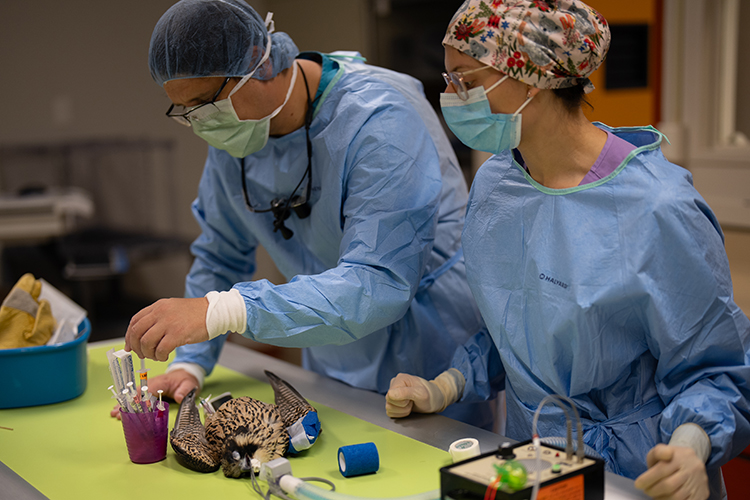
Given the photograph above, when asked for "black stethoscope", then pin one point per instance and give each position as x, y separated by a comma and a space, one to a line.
282, 207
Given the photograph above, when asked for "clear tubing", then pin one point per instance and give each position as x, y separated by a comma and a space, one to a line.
306, 491
560, 443
537, 442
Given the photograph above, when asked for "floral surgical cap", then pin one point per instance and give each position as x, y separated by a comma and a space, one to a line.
198, 38
546, 44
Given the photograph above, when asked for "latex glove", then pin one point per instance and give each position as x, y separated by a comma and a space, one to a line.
157, 330
674, 472
25, 321
175, 384
409, 393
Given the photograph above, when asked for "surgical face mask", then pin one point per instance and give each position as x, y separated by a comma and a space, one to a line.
477, 126
220, 126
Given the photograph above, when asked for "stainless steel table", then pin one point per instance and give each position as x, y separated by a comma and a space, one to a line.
434, 430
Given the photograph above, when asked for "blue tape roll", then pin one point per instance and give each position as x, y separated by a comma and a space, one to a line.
358, 459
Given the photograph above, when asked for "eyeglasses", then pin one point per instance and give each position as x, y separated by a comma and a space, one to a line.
181, 114
456, 80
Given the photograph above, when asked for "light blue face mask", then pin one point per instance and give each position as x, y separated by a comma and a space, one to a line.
477, 126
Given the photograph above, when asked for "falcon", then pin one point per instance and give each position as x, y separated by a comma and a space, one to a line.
243, 432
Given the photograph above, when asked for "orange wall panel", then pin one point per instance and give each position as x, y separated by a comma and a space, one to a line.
630, 11
629, 107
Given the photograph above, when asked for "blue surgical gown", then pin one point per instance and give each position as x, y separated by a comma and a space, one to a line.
616, 294
376, 280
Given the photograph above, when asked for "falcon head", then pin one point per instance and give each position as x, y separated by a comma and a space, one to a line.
243, 453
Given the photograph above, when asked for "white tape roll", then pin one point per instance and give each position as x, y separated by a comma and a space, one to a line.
463, 449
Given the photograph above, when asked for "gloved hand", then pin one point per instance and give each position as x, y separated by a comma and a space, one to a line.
409, 393
25, 321
674, 472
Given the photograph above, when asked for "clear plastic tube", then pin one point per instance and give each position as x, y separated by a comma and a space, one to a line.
560, 442
305, 491
558, 399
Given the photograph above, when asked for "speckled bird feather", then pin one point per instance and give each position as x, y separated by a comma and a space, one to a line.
290, 403
188, 438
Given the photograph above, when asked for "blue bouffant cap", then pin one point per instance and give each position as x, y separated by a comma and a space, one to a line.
199, 38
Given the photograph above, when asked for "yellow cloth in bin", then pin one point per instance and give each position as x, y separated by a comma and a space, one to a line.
25, 321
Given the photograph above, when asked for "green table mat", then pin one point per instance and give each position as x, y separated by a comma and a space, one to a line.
76, 450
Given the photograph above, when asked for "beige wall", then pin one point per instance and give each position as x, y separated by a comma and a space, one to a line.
324, 25
77, 71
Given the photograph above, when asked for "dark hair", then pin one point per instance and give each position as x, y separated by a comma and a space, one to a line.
572, 97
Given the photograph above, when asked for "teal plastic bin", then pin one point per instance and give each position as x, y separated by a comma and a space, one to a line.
41, 375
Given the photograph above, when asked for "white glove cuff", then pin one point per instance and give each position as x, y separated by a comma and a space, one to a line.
451, 383
192, 368
692, 436
226, 313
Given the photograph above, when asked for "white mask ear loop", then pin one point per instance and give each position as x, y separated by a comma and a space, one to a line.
496, 84
262, 60
529, 97
288, 92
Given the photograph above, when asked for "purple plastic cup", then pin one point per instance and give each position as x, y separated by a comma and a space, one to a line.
146, 434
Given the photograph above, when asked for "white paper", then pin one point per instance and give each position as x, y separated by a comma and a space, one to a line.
67, 313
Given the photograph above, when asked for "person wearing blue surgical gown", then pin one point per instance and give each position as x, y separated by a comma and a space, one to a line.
599, 270
375, 276
619, 297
